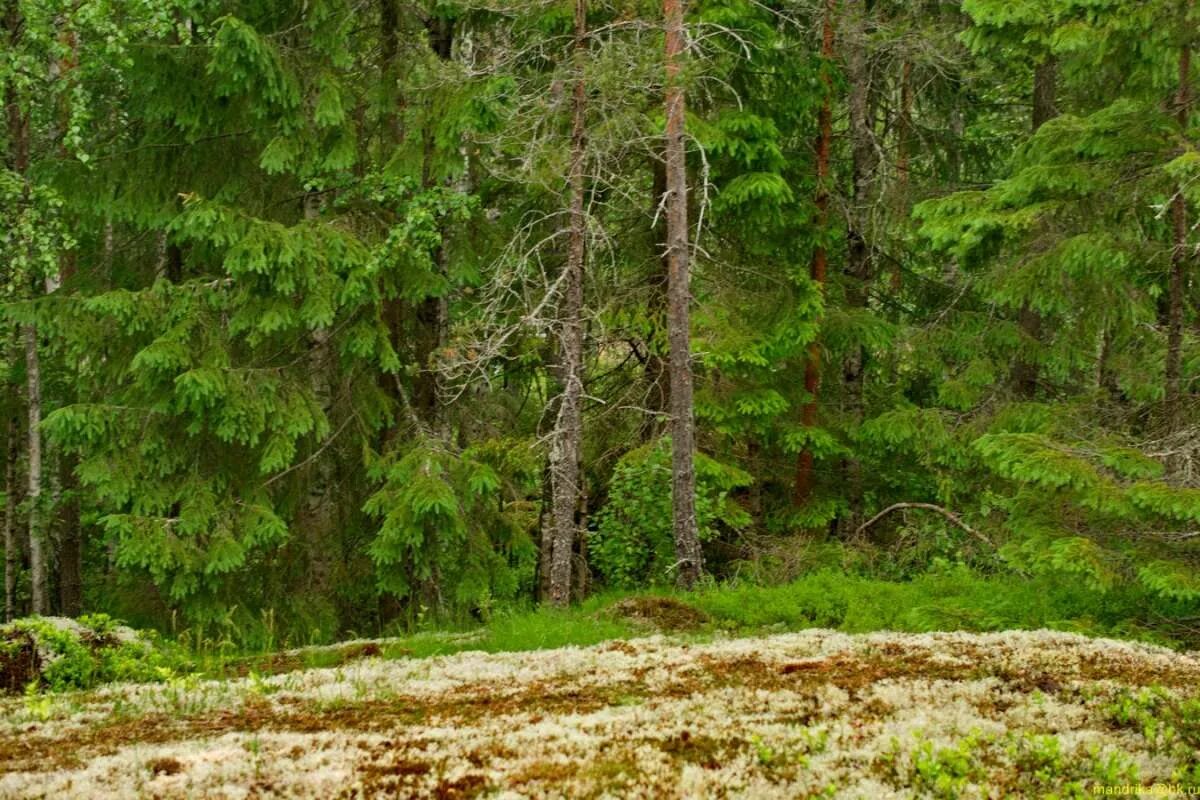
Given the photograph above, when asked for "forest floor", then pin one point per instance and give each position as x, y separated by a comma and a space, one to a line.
812, 713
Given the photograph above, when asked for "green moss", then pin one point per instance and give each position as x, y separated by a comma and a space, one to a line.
1170, 724
58, 654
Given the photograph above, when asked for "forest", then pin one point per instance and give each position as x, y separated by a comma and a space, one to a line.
351, 350
361, 314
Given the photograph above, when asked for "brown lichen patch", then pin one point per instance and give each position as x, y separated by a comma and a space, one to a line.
43, 752
849, 671
646, 718
164, 766
389, 777
706, 751
467, 786
296, 660
619, 646
543, 772
658, 613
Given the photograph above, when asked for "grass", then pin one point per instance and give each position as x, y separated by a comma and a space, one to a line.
952, 598
523, 629
947, 597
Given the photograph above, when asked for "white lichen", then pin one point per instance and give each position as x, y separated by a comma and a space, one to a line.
792, 715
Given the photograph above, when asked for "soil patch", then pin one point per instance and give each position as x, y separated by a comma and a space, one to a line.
660, 613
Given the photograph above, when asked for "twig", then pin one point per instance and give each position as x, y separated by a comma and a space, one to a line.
949, 515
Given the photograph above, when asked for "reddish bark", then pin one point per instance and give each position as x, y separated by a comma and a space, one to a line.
820, 263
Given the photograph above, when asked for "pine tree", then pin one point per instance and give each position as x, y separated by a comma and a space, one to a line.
687, 538
566, 451
819, 267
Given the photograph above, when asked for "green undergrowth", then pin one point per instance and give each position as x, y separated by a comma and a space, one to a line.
58, 654
946, 598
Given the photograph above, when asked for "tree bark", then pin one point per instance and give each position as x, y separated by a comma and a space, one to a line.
19, 144
40, 601
1179, 262
12, 547
566, 452
319, 513
66, 499
1045, 108
657, 374
860, 262
395, 310
389, 50
903, 177
432, 312
71, 542
688, 556
18, 161
1045, 92
819, 265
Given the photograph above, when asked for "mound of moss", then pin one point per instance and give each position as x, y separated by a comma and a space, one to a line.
655, 612
57, 654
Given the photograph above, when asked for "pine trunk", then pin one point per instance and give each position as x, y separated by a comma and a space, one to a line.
903, 178
432, 313
860, 263
71, 542
395, 311
1045, 108
566, 452
319, 512
1179, 259
688, 556
66, 499
819, 265
658, 389
389, 49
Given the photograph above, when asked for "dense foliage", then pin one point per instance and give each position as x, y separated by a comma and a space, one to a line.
287, 300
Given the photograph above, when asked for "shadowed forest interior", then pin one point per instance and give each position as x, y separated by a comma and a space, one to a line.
350, 317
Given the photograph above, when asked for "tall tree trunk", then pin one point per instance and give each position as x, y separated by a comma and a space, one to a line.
1179, 259
395, 311
546, 421
71, 541
389, 49
40, 600
903, 178
18, 133
566, 452
62, 465
432, 313
688, 555
1045, 92
1045, 108
12, 545
66, 497
819, 265
860, 261
319, 512
657, 374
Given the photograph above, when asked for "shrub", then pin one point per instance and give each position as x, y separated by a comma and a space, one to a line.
57, 654
633, 544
